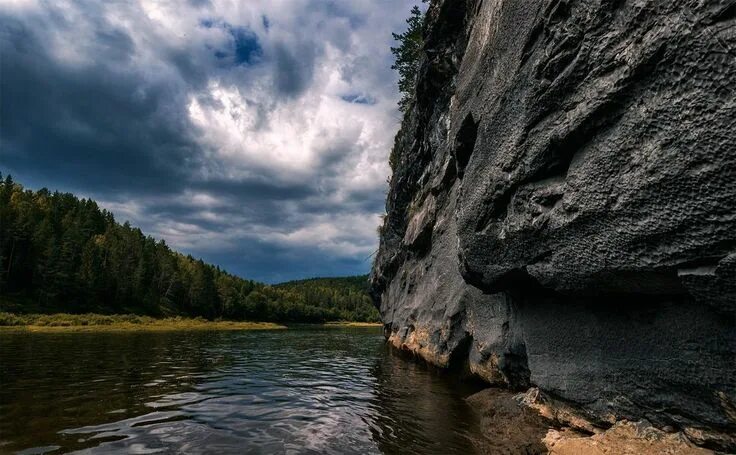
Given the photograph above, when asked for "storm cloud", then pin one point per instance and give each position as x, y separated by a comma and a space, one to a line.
252, 134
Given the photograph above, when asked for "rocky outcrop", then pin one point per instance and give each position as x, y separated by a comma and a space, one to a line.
624, 438
562, 212
511, 426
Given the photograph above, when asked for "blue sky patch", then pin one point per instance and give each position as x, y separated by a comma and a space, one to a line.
247, 48
359, 98
244, 49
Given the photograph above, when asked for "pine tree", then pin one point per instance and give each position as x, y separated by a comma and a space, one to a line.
407, 55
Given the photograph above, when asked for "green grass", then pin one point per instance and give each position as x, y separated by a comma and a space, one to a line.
352, 324
119, 322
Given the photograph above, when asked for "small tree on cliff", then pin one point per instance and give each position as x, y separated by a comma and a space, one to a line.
407, 56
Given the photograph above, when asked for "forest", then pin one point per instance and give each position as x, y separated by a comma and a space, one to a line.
60, 253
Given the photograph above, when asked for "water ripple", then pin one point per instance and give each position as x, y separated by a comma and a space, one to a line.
299, 391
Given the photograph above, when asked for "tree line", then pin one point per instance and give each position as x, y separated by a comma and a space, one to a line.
62, 253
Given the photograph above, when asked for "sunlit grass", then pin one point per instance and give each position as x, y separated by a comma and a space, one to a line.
352, 324
90, 322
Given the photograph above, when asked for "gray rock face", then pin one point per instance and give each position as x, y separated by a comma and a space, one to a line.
563, 206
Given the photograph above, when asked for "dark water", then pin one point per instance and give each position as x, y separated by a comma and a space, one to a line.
295, 391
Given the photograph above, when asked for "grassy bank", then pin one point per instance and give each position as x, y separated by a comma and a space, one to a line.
62, 322
352, 324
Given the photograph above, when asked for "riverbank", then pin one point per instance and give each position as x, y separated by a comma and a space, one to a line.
352, 324
90, 322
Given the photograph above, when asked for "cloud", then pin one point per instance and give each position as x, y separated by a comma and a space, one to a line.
252, 134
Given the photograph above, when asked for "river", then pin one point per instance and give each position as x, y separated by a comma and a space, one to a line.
302, 390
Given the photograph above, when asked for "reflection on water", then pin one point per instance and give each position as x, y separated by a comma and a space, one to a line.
295, 391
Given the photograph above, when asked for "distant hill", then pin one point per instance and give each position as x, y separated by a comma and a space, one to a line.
358, 283
62, 253
346, 294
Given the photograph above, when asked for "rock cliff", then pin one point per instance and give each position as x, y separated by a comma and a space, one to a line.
562, 212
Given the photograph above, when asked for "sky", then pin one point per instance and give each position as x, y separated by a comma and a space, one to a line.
253, 134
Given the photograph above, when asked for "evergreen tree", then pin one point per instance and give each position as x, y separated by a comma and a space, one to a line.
66, 254
407, 55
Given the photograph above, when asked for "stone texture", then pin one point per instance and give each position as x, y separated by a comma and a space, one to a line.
624, 438
562, 212
604, 160
530, 424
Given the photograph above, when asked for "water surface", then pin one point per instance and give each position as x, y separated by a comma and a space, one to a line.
307, 390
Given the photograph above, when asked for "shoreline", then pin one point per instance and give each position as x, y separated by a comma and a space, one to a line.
351, 324
163, 326
92, 322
